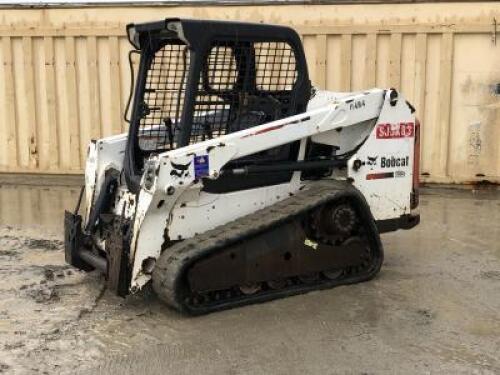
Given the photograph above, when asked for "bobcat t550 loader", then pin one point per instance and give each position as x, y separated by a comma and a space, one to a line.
238, 182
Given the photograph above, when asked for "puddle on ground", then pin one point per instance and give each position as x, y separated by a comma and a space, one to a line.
22, 205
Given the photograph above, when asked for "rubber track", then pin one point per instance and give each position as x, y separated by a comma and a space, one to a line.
169, 275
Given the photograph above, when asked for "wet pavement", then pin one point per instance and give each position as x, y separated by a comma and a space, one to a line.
434, 308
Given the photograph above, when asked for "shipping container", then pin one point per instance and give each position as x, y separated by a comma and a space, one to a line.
65, 79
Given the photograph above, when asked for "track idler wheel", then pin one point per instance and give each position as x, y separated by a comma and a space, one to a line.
342, 219
334, 223
333, 274
277, 284
249, 289
309, 278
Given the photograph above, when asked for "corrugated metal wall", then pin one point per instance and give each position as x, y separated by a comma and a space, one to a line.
64, 76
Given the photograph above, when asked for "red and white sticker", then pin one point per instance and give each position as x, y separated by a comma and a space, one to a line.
401, 130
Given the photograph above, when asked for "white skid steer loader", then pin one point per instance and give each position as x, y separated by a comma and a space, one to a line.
237, 181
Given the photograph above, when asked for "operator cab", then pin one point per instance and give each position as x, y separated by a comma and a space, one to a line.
199, 80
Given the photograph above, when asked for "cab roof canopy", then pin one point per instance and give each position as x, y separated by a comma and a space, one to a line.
197, 33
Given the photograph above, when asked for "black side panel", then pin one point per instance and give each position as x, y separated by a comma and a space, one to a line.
228, 183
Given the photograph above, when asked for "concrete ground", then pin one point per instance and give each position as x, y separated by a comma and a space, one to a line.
434, 308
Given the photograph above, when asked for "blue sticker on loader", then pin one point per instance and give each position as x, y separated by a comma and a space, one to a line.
200, 166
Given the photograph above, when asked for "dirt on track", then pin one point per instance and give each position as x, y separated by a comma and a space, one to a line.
434, 308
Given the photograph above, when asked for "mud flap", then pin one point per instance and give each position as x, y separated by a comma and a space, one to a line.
73, 241
402, 222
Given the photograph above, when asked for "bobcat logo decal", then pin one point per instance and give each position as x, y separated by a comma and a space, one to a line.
179, 170
372, 160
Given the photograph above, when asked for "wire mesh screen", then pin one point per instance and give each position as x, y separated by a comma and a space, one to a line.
222, 69
163, 100
243, 84
275, 68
